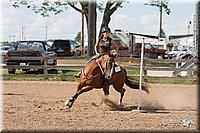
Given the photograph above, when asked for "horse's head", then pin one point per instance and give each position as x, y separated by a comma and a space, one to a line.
106, 63
109, 67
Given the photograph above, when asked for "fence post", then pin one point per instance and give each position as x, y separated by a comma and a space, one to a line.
45, 68
145, 72
189, 72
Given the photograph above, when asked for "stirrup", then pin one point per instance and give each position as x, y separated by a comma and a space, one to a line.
77, 75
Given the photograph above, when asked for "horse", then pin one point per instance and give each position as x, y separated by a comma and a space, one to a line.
101, 73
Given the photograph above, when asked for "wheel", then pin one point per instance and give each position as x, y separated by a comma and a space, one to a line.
11, 71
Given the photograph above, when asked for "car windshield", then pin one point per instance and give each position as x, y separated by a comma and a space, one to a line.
62, 44
32, 46
50, 43
148, 46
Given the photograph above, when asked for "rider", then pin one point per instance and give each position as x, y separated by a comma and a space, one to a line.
103, 45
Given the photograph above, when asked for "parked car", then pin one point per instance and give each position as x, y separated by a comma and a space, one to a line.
187, 56
29, 49
66, 47
176, 54
4, 50
149, 51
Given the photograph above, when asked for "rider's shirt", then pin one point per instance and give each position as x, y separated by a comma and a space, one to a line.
104, 46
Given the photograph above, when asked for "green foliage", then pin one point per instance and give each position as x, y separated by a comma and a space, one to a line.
78, 37
159, 3
42, 8
100, 7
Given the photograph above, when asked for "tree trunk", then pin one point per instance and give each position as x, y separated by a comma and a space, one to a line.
109, 10
91, 28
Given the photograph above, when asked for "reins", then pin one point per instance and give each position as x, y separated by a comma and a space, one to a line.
89, 78
103, 73
101, 69
113, 64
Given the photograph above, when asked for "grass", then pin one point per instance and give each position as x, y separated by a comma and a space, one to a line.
61, 76
172, 81
65, 71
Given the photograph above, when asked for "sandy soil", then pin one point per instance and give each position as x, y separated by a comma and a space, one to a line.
39, 105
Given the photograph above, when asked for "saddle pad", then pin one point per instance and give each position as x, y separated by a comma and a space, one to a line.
117, 69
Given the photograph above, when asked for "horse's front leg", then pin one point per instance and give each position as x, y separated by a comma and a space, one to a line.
72, 99
106, 87
121, 96
121, 90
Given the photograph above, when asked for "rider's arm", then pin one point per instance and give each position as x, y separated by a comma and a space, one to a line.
96, 47
115, 45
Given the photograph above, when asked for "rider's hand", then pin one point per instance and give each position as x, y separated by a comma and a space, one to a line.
113, 53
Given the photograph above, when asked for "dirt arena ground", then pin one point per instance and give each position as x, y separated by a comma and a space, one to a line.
39, 106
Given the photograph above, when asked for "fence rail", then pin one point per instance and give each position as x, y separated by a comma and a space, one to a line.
46, 67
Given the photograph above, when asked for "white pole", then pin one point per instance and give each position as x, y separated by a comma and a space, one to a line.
141, 68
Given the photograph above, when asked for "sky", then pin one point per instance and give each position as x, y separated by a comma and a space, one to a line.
134, 16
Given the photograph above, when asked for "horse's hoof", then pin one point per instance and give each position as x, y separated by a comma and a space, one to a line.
121, 105
68, 103
66, 107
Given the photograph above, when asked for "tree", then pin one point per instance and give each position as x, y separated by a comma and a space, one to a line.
78, 37
160, 4
111, 7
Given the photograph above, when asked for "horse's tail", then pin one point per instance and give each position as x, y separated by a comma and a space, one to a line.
136, 85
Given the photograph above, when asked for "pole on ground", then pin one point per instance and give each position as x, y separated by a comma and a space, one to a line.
141, 68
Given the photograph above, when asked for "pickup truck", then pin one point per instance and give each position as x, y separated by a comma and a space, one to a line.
149, 51
29, 49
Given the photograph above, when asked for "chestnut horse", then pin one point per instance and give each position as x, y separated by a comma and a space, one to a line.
101, 73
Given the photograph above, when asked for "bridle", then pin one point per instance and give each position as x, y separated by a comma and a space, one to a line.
103, 72
111, 55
